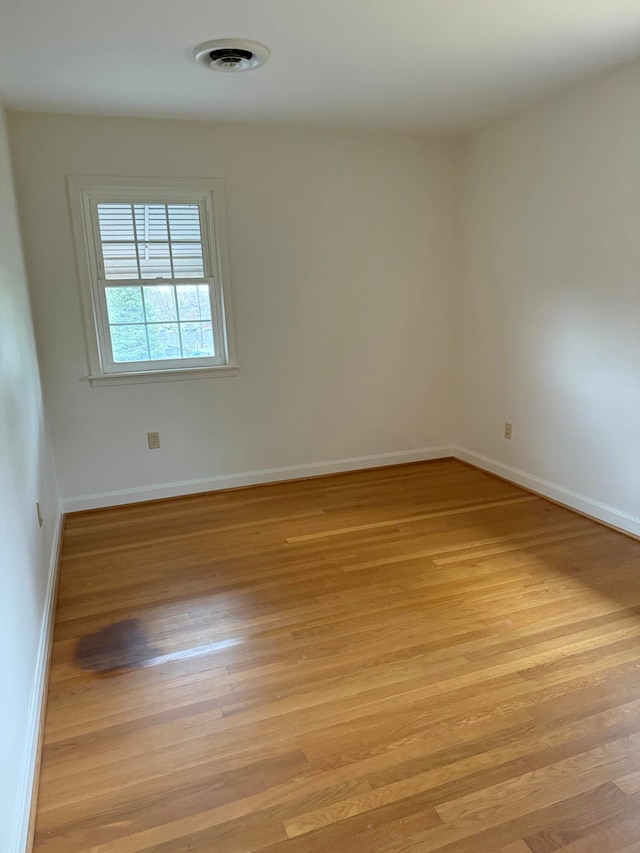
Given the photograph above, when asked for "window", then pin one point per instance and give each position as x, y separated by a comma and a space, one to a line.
154, 275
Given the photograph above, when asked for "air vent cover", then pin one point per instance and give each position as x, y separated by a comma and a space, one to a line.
230, 54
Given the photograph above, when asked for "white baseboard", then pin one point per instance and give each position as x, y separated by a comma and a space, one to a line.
603, 512
20, 836
252, 478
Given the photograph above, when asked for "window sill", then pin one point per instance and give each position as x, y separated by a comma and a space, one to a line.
136, 377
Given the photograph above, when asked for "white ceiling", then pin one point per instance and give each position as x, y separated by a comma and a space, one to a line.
439, 65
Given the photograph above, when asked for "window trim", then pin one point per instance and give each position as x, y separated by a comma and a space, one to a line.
210, 191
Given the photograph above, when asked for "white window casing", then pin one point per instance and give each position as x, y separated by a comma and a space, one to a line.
154, 277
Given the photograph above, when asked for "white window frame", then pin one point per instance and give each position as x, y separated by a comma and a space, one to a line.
85, 192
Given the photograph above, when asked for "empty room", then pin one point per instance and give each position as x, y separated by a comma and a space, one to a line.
320, 426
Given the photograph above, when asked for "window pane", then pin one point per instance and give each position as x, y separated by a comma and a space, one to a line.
187, 260
197, 340
159, 303
151, 221
116, 222
155, 260
129, 343
164, 341
184, 221
120, 260
193, 301
124, 305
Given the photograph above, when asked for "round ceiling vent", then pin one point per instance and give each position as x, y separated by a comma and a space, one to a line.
231, 54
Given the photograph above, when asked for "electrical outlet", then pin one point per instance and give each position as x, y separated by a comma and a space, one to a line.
153, 439
508, 429
39, 511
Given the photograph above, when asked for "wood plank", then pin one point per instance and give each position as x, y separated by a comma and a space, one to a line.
401, 660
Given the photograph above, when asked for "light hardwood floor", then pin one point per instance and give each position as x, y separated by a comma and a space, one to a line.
407, 659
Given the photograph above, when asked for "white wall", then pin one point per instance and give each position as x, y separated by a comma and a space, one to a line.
341, 250
26, 475
344, 272
549, 304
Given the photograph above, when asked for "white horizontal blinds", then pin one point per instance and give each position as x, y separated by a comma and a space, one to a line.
149, 241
